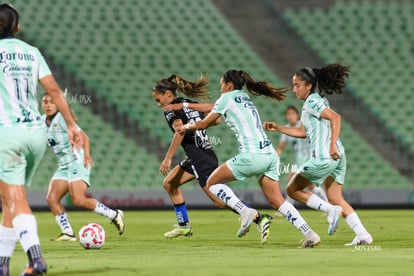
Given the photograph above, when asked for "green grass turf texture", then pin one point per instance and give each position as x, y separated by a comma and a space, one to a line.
214, 248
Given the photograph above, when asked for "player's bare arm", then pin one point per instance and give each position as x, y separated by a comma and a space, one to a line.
298, 132
52, 88
335, 122
175, 143
203, 124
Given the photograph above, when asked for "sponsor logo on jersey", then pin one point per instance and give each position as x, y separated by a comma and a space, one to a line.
169, 115
15, 56
242, 99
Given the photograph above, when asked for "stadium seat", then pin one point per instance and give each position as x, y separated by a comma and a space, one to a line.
121, 53
379, 40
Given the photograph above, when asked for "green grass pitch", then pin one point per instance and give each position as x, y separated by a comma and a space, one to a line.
214, 248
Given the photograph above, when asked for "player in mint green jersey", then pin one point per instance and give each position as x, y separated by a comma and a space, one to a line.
22, 139
257, 156
300, 147
327, 166
200, 160
72, 176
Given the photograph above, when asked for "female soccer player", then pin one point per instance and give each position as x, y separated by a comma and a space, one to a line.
327, 165
201, 160
300, 147
22, 139
72, 175
257, 157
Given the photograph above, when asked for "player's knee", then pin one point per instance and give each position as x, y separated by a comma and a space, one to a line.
51, 199
167, 185
334, 200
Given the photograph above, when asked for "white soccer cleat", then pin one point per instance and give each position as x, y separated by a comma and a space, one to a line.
119, 222
178, 231
310, 240
65, 237
333, 219
364, 239
246, 218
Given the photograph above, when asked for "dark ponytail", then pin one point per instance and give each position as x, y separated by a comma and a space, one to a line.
257, 88
329, 79
197, 89
9, 20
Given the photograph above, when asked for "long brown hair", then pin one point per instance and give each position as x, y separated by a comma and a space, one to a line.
197, 89
328, 79
240, 78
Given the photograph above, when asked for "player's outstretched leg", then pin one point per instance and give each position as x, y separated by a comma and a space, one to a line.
273, 195
77, 190
247, 215
334, 193
57, 189
333, 212
183, 227
295, 189
172, 182
66, 229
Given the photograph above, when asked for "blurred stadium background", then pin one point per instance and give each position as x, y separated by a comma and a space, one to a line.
108, 55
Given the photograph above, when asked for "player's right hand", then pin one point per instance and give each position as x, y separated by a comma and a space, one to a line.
88, 162
270, 126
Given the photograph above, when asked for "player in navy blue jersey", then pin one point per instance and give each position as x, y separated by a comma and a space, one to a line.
201, 160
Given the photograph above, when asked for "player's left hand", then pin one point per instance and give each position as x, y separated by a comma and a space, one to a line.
165, 166
333, 151
88, 162
170, 107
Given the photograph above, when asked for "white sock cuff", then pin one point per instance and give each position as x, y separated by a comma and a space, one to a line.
285, 207
23, 219
312, 200
8, 233
317, 203
351, 217
216, 188
25, 226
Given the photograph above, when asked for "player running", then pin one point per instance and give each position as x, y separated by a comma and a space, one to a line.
22, 139
72, 175
257, 157
300, 147
201, 160
327, 165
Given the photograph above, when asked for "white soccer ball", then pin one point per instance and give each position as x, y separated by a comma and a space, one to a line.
92, 236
